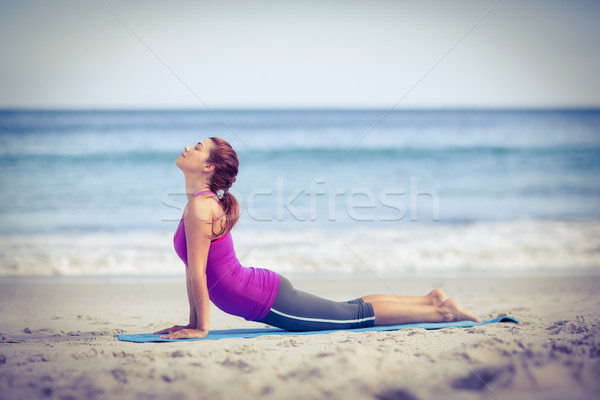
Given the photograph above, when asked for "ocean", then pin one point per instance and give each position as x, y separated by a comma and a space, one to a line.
348, 192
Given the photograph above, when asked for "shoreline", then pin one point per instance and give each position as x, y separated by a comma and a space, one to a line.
309, 275
510, 248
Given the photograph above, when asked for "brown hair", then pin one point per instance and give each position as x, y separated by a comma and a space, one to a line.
226, 165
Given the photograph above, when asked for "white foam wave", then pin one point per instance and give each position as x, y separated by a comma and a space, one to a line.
97, 254
524, 246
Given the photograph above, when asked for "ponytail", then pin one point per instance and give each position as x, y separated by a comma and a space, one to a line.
232, 211
226, 164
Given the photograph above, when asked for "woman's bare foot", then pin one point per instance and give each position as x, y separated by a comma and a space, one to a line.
437, 297
455, 313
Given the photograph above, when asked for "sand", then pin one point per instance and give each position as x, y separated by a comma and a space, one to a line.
56, 342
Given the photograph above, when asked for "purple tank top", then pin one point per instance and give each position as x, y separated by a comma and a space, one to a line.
243, 291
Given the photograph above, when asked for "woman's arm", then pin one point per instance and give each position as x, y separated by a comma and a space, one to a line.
193, 321
198, 232
193, 316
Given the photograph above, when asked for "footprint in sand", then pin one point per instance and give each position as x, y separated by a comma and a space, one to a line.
482, 377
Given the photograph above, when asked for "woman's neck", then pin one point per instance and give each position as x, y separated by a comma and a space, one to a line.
195, 185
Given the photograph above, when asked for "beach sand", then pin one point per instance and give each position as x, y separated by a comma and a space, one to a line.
56, 342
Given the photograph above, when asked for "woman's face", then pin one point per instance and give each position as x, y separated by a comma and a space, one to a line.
195, 158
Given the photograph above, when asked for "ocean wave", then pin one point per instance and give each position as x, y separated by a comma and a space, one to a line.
253, 132
512, 246
574, 157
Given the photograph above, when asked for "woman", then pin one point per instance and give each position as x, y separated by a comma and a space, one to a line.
203, 242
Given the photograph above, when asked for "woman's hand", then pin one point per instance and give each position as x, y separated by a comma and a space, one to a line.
173, 329
186, 333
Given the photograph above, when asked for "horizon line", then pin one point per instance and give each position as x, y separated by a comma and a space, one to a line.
297, 108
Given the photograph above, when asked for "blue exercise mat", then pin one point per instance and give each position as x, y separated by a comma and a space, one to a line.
250, 333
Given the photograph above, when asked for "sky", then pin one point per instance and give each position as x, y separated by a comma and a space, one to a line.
307, 54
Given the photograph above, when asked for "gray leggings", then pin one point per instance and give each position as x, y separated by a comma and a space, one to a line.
294, 310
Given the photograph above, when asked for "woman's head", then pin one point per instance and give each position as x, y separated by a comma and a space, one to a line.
211, 161
214, 162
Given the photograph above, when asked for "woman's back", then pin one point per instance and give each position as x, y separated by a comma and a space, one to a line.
235, 289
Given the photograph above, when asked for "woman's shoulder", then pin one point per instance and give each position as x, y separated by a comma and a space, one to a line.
205, 206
